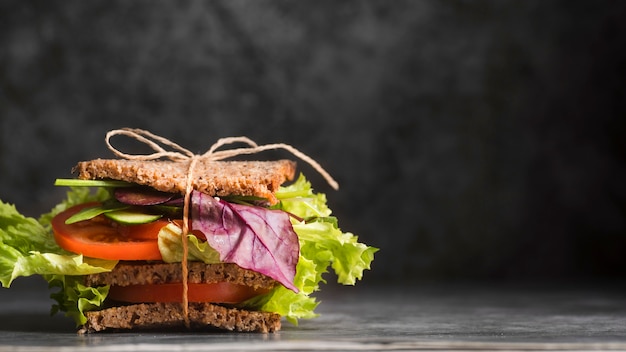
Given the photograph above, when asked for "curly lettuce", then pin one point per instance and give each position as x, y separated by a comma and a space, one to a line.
27, 248
74, 298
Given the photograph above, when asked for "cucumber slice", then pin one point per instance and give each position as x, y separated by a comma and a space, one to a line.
129, 217
167, 210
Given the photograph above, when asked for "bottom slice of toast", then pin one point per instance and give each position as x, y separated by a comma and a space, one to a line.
170, 315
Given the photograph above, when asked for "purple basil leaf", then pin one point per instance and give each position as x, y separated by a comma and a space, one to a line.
252, 237
141, 196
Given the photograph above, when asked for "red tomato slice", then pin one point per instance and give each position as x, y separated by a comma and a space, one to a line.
106, 239
221, 292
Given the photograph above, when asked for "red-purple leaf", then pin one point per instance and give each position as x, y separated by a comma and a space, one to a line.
252, 237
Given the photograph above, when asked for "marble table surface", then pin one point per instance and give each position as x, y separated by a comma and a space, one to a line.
459, 317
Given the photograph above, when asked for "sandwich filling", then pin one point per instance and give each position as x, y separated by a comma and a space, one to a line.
136, 226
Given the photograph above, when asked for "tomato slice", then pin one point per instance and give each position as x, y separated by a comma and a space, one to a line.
106, 239
221, 292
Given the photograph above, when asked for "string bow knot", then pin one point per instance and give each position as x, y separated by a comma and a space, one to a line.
179, 153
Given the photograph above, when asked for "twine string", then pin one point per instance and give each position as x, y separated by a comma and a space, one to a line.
185, 231
148, 139
181, 154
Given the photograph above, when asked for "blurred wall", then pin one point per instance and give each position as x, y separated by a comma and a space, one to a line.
471, 139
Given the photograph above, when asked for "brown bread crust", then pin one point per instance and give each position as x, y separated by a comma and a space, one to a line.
216, 178
148, 273
170, 315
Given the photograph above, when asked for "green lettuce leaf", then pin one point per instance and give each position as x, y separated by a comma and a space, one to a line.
27, 248
325, 245
299, 199
171, 247
74, 298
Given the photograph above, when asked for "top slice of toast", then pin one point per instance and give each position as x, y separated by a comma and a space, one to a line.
215, 178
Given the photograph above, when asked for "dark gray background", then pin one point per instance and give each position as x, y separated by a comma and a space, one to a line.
471, 139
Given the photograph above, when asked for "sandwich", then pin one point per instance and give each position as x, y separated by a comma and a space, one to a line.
193, 242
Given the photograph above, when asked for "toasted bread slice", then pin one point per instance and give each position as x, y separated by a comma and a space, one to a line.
150, 273
215, 178
170, 315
